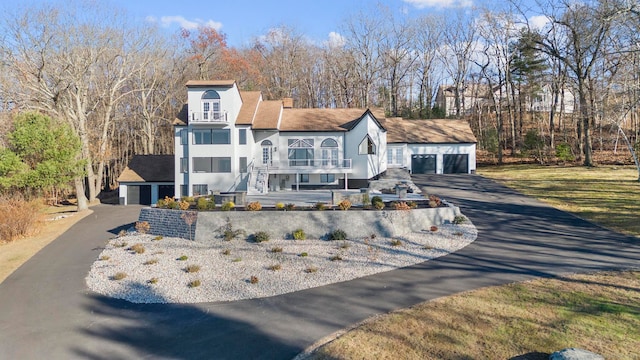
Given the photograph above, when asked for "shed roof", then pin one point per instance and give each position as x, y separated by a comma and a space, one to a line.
149, 168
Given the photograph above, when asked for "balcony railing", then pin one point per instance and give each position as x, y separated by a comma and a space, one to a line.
312, 163
208, 117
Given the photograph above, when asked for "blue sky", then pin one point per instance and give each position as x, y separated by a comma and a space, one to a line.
244, 20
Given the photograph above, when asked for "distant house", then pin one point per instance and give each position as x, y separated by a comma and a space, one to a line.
228, 140
471, 96
146, 179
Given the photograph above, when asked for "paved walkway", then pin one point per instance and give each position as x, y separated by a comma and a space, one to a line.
47, 312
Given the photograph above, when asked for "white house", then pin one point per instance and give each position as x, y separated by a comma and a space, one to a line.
227, 140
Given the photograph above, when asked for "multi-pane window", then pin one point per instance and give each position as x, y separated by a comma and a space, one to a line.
300, 152
211, 164
243, 164
211, 136
304, 178
184, 165
327, 178
200, 189
184, 137
184, 190
329, 152
367, 146
242, 136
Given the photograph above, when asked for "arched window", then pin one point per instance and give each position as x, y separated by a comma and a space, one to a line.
266, 143
211, 106
367, 146
266, 151
329, 150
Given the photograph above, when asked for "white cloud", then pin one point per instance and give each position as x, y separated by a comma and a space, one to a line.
336, 40
167, 21
421, 4
538, 21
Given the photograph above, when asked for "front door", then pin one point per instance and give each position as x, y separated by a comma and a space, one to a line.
266, 155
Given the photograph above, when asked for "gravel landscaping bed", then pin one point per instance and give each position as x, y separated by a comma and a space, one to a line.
277, 266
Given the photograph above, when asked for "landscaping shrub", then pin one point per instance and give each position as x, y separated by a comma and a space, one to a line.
188, 199
311, 269
320, 206
228, 233
157, 238
338, 234
182, 258
228, 206
412, 204
365, 200
184, 205
276, 249
304, 254
226, 252
298, 234
261, 236
254, 206
205, 203
152, 280
459, 219
434, 201
17, 217
150, 262
275, 267
119, 276
142, 227
401, 205
563, 152
344, 204
376, 199
336, 258
104, 258
253, 279
396, 242
289, 207
137, 248
378, 205
192, 268
194, 283
279, 206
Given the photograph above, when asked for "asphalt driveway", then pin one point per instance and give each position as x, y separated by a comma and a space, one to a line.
47, 311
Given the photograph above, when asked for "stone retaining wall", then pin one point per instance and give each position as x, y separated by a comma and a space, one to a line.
280, 224
168, 222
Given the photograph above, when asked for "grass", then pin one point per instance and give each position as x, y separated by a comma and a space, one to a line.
607, 195
597, 312
192, 268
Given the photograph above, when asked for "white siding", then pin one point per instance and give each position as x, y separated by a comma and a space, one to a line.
367, 166
439, 150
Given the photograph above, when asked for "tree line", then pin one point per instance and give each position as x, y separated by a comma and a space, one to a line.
118, 84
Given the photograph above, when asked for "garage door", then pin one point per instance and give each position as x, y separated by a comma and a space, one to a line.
456, 163
166, 190
139, 194
423, 164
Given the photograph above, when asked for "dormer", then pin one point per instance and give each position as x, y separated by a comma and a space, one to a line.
213, 102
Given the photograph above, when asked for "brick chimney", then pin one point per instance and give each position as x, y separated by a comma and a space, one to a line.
287, 103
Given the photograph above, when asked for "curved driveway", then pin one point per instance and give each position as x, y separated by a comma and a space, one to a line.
46, 310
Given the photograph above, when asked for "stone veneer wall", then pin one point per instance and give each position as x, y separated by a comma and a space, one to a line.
168, 222
280, 224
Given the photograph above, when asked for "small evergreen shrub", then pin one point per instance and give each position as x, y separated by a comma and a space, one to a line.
344, 204
338, 234
376, 199
228, 233
187, 199
378, 205
365, 200
304, 254
205, 203
459, 219
153, 280
279, 206
194, 283
157, 238
228, 206
254, 206
412, 204
298, 234
253, 279
563, 152
182, 258
119, 276
261, 236
142, 227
